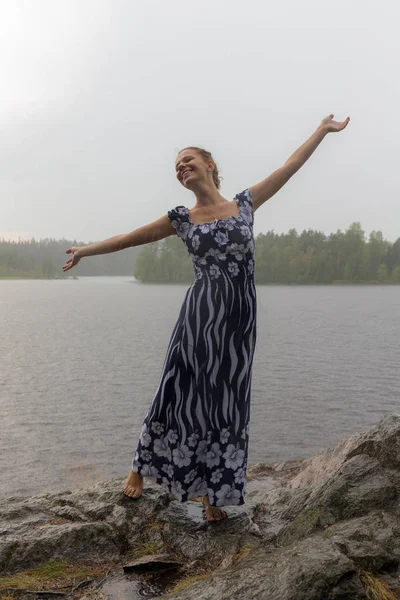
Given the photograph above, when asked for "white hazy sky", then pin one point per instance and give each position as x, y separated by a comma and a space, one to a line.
99, 95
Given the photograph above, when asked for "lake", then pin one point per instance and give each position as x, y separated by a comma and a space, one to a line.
81, 360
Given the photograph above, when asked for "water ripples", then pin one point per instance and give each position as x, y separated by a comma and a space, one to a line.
81, 360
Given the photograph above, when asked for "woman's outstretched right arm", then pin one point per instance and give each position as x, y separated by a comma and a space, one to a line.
153, 232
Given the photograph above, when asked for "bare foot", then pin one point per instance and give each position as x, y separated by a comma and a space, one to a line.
133, 485
212, 512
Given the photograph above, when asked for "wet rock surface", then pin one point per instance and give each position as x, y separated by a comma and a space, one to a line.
325, 528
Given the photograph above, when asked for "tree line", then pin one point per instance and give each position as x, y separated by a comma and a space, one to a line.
288, 258
44, 258
308, 257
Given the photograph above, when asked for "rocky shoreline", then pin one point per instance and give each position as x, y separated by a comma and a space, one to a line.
324, 528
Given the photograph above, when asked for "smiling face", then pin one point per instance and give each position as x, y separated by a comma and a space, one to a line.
191, 168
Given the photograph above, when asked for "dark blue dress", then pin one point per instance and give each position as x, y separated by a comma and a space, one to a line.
194, 439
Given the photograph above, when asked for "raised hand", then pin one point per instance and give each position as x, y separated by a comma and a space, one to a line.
75, 258
333, 126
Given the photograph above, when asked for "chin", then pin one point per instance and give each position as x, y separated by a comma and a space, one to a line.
188, 184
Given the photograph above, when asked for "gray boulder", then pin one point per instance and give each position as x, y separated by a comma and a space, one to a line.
324, 528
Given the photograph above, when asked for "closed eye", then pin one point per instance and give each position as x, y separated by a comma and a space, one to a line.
185, 159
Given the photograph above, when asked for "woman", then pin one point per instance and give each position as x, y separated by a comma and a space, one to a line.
194, 438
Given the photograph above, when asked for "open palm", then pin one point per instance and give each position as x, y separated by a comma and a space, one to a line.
334, 126
73, 261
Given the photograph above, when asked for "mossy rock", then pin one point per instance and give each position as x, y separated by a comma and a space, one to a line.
55, 575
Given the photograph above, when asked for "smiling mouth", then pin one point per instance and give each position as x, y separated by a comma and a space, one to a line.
185, 175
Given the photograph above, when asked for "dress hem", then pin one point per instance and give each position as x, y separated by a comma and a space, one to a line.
178, 496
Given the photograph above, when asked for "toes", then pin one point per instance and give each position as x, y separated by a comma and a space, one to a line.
132, 492
215, 515
220, 515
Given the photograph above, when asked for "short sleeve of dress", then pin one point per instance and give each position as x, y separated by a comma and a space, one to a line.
245, 202
179, 218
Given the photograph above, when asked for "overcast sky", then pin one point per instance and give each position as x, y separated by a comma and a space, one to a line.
97, 97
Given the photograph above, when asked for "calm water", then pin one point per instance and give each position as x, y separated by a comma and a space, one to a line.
80, 362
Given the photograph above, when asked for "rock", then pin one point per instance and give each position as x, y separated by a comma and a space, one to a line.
70, 542
152, 562
311, 529
308, 571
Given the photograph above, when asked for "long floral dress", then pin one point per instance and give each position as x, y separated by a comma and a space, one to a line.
194, 438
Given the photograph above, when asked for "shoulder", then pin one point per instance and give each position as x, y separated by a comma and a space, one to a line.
245, 199
178, 213
245, 196
245, 202
180, 221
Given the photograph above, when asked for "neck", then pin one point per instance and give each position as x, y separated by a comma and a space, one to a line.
207, 195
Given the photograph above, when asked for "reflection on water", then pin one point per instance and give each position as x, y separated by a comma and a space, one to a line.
80, 363
131, 587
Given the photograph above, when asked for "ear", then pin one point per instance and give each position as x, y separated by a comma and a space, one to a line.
211, 165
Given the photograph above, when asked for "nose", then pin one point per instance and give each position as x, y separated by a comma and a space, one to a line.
180, 171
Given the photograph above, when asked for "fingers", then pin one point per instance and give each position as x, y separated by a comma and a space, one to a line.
68, 265
339, 125
72, 262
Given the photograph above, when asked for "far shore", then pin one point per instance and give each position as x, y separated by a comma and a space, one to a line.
339, 282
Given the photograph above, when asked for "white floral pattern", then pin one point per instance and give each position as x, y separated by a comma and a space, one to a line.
195, 242
177, 450
224, 435
237, 250
150, 471
240, 475
246, 232
214, 455
198, 488
189, 477
250, 267
146, 455
234, 457
216, 476
233, 268
228, 495
145, 437
172, 436
169, 470
161, 448
181, 456
221, 238
192, 439
211, 495
245, 432
214, 271
201, 451
177, 488
157, 428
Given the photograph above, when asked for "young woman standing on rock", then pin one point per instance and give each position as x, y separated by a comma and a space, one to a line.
194, 438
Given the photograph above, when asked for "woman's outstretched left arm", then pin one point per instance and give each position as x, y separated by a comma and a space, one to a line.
261, 192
